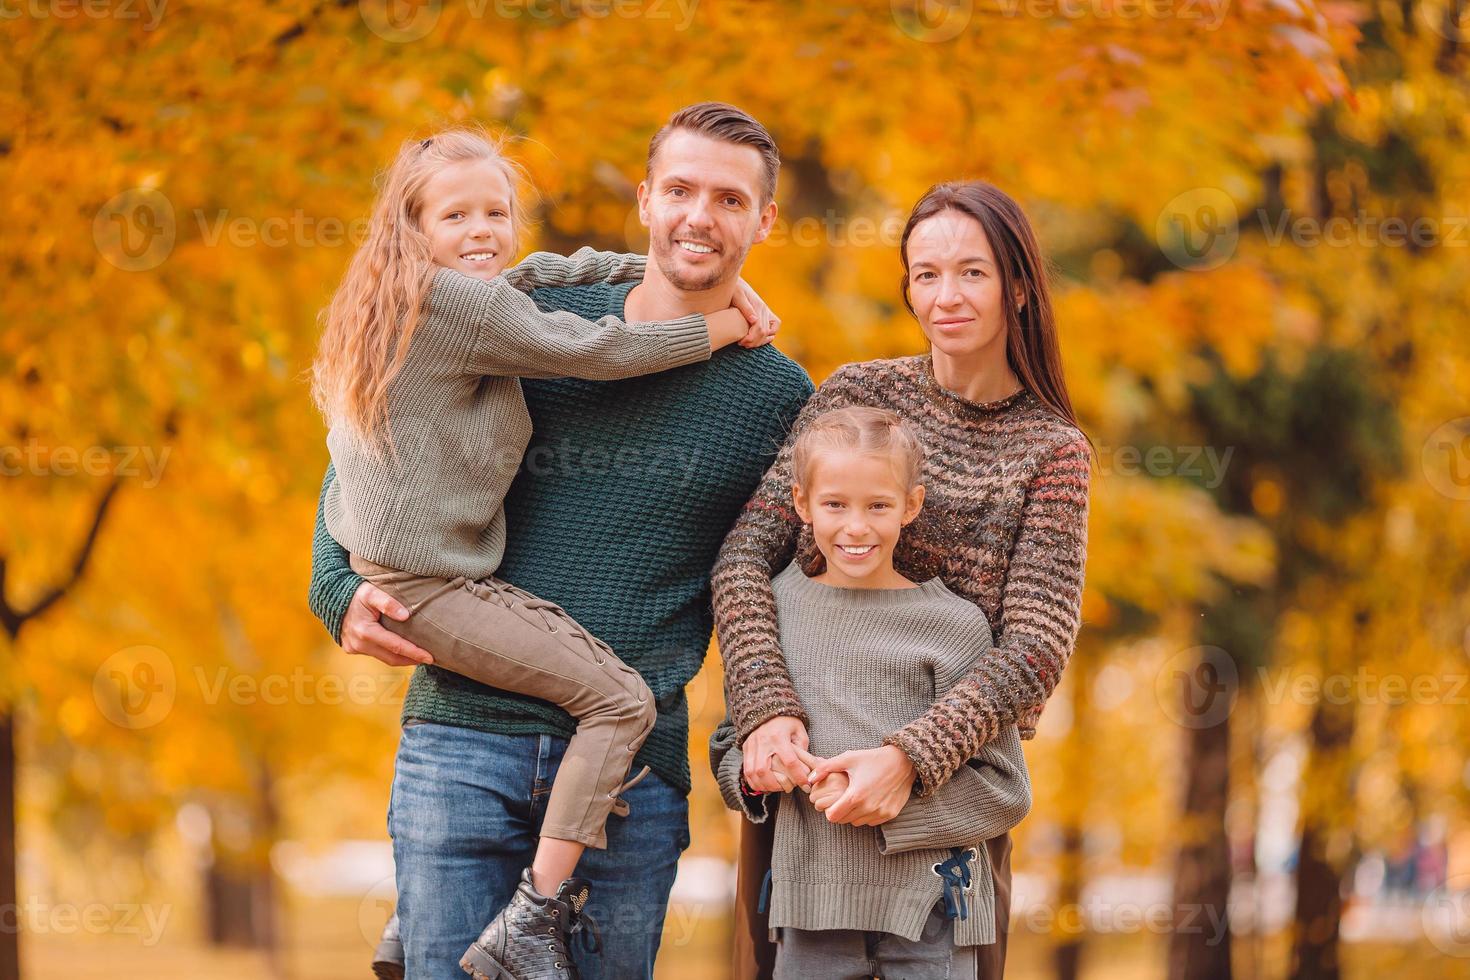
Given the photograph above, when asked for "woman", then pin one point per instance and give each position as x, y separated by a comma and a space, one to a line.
1004, 526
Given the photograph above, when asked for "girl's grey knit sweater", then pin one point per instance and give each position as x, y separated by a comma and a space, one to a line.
866, 662
459, 419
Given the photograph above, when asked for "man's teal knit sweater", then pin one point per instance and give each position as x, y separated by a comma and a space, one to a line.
617, 513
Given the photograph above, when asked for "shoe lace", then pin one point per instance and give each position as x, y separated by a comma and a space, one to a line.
551, 614
584, 927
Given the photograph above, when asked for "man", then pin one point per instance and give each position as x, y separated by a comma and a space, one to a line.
626, 491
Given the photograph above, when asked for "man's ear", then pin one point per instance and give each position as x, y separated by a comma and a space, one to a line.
798, 500
768, 221
643, 202
914, 504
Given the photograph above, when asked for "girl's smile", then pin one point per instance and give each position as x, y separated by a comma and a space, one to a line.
857, 505
466, 216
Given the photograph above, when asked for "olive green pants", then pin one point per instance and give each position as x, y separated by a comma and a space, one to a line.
496, 634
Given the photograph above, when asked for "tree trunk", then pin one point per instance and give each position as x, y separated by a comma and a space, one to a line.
1067, 955
1318, 911
239, 904
240, 889
1199, 945
1077, 771
12, 620
266, 894
229, 900
1318, 921
9, 908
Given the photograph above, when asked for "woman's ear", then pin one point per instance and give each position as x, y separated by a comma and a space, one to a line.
914, 504
798, 500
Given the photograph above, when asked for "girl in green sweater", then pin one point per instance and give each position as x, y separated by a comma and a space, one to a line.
417, 377
868, 651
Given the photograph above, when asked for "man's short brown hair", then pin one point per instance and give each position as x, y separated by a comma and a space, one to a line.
722, 121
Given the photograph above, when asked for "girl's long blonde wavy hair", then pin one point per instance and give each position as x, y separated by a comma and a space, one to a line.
372, 317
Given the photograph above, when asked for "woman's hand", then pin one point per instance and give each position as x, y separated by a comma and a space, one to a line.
880, 782
777, 739
363, 631
763, 323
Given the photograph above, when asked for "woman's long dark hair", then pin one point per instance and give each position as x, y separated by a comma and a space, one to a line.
1032, 349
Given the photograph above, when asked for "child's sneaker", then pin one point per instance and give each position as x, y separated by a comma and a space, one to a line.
529, 939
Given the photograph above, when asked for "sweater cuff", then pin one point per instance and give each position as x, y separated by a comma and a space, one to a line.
784, 703
331, 600
729, 776
754, 804
931, 768
688, 340
911, 830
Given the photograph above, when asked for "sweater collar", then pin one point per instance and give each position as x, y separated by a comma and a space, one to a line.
810, 590
948, 400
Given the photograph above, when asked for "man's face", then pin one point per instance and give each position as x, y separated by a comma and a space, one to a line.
702, 207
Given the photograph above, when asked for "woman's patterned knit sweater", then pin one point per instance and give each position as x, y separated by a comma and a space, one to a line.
1004, 525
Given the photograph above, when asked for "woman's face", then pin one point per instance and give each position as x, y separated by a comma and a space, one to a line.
954, 286
466, 217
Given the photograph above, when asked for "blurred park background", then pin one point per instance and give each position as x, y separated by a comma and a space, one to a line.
1259, 212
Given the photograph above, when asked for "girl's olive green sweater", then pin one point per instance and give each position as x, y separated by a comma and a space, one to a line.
435, 504
866, 662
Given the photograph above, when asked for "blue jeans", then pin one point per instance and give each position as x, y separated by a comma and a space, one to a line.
464, 816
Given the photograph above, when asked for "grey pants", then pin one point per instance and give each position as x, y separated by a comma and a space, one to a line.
852, 954
499, 635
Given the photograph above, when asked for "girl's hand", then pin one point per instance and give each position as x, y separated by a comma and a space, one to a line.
726, 327
829, 791
763, 324
880, 782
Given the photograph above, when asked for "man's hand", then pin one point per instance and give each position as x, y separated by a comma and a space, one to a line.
778, 738
364, 633
880, 782
763, 323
